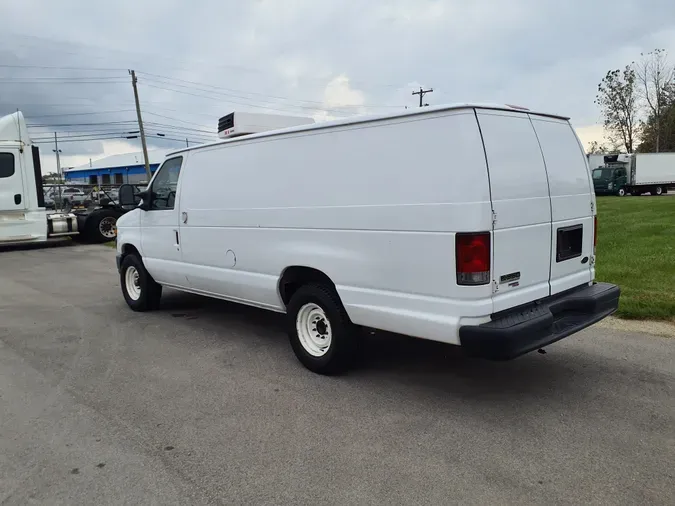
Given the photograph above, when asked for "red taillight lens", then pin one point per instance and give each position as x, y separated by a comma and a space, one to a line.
472, 257
595, 232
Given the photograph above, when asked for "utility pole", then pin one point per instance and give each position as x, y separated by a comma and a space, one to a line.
58, 165
421, 93
140, 126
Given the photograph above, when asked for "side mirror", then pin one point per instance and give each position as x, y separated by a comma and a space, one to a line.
127, 196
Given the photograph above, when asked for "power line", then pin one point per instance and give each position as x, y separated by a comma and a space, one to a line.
81, 124
175, 119
218, 99
44, 141
60, 78
179, 127
248, 99
84, 136
254, 93
59, 68
118, 81
80, 113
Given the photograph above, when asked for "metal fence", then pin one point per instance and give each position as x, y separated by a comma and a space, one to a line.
67, 197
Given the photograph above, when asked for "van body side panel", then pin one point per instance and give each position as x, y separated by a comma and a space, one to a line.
520, 198
375, 207
571, 201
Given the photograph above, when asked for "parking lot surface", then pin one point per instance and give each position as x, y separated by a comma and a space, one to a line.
203, 402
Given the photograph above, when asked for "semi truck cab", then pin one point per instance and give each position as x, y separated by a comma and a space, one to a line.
23, 215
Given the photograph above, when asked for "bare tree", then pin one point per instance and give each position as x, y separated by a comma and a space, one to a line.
656, 83
595, 148
617, 99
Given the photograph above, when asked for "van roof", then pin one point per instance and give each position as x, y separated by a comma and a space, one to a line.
369, 118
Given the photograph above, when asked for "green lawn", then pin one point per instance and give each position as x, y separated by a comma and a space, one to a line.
636, 250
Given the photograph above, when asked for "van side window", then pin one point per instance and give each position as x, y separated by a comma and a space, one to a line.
6, 165
620, 173
163, 191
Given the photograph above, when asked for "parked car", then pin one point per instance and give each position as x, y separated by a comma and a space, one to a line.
67, 196
470, 225
75, 195
104, 196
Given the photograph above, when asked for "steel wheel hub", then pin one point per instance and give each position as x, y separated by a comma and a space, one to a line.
314, 330
132, 283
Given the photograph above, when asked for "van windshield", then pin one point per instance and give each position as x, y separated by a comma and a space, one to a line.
602, 173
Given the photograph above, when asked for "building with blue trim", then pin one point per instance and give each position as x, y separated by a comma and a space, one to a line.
115, 169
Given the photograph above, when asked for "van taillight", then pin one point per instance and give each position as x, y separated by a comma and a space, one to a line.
472, 257
595, 232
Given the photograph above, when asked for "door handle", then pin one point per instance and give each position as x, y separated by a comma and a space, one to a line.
17, 199
184, 216
177, 243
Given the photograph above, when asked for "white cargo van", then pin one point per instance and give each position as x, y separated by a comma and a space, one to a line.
471, 225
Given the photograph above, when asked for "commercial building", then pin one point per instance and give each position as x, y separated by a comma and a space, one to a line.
115, 169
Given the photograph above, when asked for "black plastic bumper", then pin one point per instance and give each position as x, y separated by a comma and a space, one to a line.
516, 332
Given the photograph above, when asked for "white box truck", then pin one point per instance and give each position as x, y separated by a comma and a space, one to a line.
472, 225
23, 214
635, 174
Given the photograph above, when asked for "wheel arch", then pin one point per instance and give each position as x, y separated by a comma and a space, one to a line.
295, 276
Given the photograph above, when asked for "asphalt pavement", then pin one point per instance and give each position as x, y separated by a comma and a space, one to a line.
203, 402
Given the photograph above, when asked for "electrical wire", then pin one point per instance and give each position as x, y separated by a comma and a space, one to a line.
217, 99
81, 113
253, 92
59, 68
218, 93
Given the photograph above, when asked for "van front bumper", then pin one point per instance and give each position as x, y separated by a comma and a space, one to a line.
515, 332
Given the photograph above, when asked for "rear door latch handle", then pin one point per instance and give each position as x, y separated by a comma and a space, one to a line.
183, 216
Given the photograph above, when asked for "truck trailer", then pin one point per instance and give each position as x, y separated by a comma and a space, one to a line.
23, 215
635, 174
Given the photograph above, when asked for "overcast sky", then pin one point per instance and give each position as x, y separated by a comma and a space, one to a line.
323, 58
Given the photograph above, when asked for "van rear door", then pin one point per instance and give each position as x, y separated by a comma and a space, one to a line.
521, 246
572, 204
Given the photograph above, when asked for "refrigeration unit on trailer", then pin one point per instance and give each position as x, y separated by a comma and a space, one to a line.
23, 217
471, 225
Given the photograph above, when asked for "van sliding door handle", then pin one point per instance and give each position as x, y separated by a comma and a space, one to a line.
177, 240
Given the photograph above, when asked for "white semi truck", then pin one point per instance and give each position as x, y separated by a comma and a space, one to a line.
23, 217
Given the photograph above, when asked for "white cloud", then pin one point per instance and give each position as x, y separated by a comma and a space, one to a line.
339, 94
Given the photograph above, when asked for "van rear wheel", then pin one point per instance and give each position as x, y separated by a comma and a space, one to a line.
141, 292
319, 329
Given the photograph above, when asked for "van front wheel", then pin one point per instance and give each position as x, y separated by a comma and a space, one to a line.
321, 334
141, 292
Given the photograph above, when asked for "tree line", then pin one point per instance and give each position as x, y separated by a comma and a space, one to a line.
638, 106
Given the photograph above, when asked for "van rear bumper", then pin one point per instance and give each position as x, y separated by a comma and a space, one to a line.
515, 332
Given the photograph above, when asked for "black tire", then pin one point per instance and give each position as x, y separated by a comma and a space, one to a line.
150, 290
97, 226
341, 350
658, 191
621, 192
